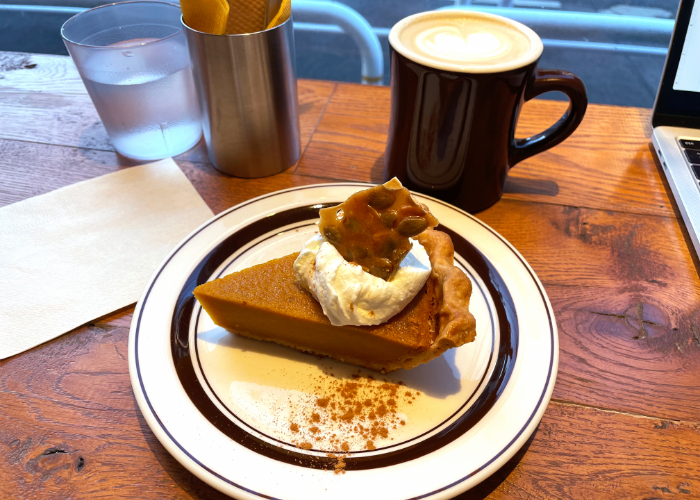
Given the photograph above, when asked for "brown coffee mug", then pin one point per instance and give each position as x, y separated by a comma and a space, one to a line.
458, 82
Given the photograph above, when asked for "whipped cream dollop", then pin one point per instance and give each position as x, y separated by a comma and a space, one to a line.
349, 295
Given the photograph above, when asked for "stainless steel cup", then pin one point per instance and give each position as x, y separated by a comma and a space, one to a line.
247, 90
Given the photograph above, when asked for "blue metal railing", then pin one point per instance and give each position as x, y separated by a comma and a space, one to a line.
35, 28
21, 27
308, 13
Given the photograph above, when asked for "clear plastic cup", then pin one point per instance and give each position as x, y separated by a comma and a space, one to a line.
133, 59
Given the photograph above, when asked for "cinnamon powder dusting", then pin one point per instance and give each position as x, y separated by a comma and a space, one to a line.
350, 414
339, 465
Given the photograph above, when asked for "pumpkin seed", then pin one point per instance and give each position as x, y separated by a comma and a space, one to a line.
411, 226
388, 218
332, 234
380, 198
381, 268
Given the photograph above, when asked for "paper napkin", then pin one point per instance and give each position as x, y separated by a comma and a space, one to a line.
86, 250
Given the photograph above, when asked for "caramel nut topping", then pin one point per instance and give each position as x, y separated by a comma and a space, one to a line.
372, 227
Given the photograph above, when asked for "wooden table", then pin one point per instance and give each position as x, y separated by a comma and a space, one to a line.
592, 216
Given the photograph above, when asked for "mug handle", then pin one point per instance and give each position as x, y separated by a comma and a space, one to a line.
549, 80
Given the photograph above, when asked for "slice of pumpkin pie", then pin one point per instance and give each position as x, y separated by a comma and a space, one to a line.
330, 304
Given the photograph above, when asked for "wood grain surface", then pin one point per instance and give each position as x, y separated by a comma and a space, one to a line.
592, 216
73, 430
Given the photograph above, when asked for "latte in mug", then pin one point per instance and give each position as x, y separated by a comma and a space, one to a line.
465, 43
458, 81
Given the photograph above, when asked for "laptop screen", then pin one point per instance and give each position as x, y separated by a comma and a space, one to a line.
688, 74
678, 99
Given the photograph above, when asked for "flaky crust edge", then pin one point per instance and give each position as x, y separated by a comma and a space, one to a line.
457, 326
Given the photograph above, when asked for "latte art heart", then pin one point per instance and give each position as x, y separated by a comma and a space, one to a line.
451, 43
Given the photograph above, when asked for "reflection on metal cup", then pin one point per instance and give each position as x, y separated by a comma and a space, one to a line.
248, 94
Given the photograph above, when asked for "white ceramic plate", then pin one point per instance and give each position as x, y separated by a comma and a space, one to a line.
220, 403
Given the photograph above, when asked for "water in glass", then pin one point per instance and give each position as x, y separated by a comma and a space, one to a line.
150, 111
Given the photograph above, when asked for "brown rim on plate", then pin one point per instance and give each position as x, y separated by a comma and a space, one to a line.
500, 375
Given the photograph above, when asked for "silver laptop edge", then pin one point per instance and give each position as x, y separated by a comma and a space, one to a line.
679, 175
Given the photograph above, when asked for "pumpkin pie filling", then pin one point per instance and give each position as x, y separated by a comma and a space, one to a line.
265, 302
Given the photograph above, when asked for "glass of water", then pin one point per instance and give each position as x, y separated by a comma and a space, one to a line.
133, 59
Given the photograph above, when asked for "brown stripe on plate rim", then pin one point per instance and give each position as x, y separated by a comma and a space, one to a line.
183, 362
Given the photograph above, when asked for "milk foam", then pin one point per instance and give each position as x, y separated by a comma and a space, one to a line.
465, 41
